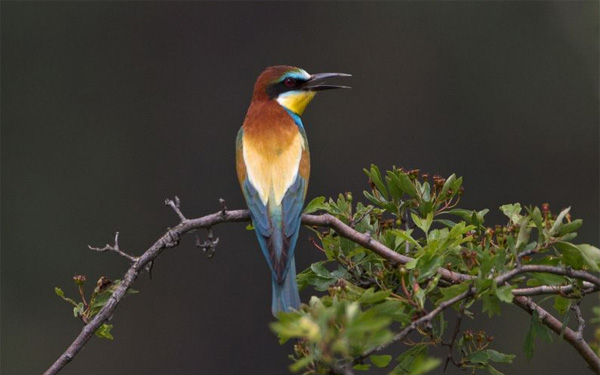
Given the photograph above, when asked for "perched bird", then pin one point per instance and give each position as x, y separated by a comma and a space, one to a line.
273, 166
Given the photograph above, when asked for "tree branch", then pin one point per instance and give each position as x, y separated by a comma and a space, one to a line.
172, 236
169, 239
569, 335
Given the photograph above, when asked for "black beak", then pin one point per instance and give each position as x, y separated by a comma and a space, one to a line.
316, 80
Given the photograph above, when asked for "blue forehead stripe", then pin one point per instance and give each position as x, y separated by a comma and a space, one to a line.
296, 75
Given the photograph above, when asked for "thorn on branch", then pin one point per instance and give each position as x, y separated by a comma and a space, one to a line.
149, 267
209, 246
115, 248
175, 204
223, 207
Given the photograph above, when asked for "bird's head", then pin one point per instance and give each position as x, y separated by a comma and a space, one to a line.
293, 88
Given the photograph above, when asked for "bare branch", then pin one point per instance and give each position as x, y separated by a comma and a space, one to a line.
576, 274
174, 204
115, 248
167, 240
554, 289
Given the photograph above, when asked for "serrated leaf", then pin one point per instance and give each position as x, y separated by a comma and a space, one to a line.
316, 204
512, 211
504, 293
491, 304
422, 223
381, 360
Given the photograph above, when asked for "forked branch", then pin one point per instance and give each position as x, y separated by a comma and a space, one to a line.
172, 236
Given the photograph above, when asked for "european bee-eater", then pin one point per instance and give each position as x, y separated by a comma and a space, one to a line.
273, 166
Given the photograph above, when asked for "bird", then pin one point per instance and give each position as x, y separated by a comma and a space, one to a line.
273, 168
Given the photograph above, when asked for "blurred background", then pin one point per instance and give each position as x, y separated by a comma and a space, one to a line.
108, 108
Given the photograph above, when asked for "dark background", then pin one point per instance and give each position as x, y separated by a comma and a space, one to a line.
109, 108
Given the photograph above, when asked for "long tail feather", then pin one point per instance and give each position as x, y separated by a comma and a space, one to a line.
285, 295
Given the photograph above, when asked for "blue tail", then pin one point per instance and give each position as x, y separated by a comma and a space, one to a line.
285, 295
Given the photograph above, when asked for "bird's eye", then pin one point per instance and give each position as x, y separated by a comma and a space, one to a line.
289, 82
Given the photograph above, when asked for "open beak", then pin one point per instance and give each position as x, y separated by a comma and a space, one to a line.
315, 83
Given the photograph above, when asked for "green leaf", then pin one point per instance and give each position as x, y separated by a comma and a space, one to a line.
381, 360
524, 232
407, 185
570, 227
491, 304
59, 292
496, 356
562, 304
492, 370
591, 255
453, 291
405, 235
300, 364
529, 345
78, 309
375, 176
449, 181
504, 293
448, 223
571, 255
369, 296
512, 211
558, 222
423, 365
480, 357
536, 329
423, 224
316, 204
362, 366
104, 331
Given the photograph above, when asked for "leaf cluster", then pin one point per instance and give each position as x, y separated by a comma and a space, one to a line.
87, 308
369, 302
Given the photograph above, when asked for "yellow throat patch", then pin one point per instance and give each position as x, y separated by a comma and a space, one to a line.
296, 101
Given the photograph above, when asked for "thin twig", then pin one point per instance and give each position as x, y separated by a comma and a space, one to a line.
459, 317
115, 248
415, 324
174, 204
563, 290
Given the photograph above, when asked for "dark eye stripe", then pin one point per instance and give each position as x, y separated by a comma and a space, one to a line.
287, 84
